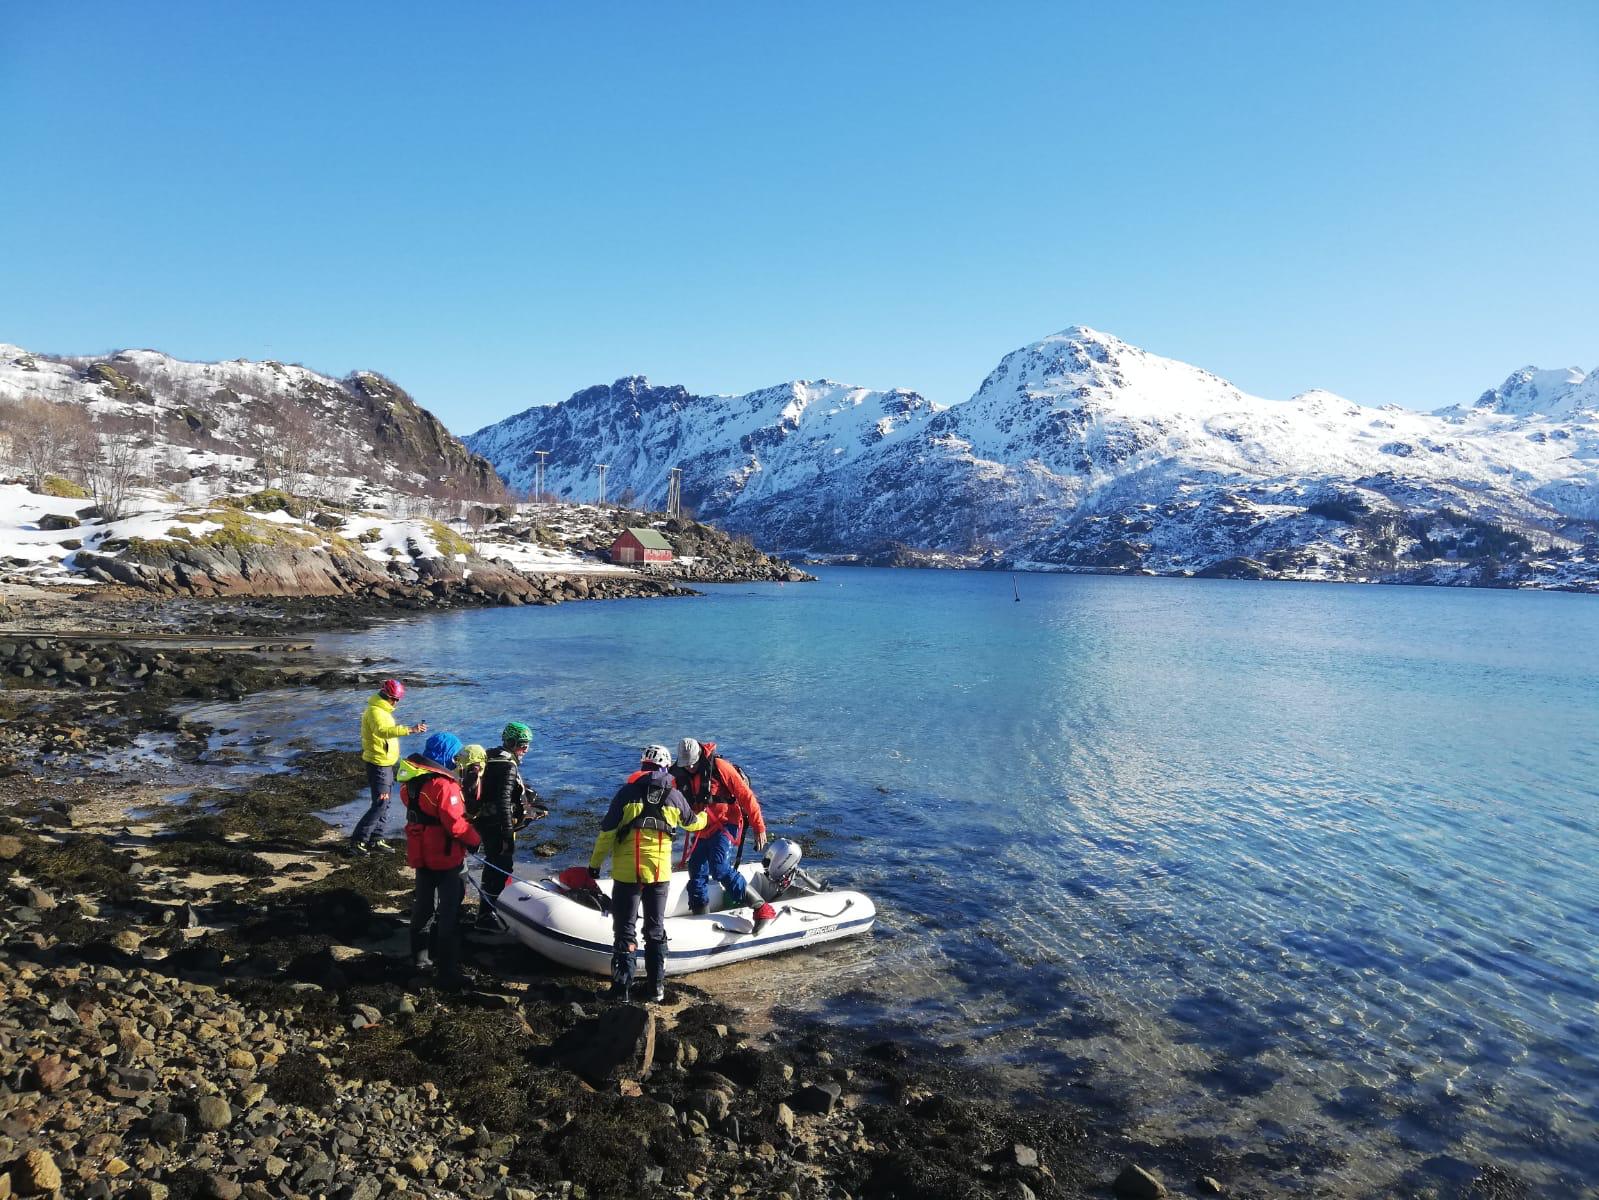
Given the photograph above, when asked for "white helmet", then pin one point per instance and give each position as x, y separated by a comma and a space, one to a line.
658, 757
688, 753
782, 859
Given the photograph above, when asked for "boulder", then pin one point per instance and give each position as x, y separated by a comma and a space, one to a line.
35, 1174
1135, 1183
818, 1098
213, 1112
53, 521
620, 1041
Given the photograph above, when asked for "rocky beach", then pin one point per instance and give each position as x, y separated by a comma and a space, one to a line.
203, 998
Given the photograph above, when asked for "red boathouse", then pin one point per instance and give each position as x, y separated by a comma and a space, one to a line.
641, 546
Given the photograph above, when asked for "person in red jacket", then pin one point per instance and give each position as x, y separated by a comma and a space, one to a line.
717, 788
437, 837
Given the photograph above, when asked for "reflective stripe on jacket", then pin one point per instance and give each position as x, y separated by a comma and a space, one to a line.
380, 736
643, 855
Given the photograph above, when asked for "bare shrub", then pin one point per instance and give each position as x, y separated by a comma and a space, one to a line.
109, 464
46, 438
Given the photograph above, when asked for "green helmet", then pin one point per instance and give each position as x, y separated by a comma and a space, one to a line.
516, 734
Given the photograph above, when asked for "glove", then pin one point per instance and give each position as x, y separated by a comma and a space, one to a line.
593, 874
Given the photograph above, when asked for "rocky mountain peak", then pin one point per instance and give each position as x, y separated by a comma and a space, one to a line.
1534, 392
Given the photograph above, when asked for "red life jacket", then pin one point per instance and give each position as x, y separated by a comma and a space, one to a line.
437, 833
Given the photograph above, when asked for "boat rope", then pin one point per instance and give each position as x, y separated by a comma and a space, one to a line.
814, 915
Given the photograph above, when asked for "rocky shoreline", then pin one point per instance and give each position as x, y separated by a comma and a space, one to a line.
203, 998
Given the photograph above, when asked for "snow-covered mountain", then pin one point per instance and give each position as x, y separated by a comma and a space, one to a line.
1081, 451
205, 427
733, 449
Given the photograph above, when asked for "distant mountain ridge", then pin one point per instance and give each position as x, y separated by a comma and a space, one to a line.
1082, 452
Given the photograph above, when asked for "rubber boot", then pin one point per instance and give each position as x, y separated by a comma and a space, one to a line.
655, 970
621, 977
488, 920
696, 910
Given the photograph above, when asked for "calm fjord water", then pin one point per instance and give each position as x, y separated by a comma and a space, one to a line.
1303, 870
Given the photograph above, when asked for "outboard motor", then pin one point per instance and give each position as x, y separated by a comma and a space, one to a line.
782, 864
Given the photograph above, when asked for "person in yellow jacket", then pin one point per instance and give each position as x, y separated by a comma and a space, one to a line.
380, 750
637, 832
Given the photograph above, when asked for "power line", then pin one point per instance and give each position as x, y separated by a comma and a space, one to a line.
538, 476
674, 492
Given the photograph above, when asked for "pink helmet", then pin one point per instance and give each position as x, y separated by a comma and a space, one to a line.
392, 689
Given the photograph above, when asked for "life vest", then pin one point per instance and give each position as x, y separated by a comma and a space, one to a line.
704, 774
412, 773
412, 791
654, 814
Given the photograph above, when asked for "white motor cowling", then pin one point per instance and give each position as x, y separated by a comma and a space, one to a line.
781, 861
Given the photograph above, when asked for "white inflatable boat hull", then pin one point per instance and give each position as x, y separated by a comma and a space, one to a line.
544, 917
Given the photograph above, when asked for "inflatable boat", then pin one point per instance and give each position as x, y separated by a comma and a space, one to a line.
572, 926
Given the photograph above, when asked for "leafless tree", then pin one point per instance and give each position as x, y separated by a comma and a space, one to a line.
109, 463
45, 437
287, 450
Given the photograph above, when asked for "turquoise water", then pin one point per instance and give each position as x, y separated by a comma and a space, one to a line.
1306, 872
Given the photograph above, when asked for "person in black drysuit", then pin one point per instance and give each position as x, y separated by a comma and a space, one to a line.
505, 805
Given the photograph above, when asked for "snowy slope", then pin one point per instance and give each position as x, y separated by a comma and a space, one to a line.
731, 448
204, 427
1081, 451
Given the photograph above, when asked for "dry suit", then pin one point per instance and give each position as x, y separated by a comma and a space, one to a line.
717, 789
637, 832
503, 808
437, 837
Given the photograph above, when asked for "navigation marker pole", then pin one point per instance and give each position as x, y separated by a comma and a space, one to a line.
602, 468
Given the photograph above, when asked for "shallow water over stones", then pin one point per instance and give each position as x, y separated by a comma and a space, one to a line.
1304, 874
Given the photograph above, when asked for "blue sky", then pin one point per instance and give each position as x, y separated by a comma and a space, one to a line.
498, 204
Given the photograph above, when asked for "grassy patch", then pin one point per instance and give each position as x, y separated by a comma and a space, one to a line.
269, 500
449, 542
65, 489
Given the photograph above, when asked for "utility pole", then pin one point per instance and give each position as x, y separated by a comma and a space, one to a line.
602, 468
538, 476
674, 492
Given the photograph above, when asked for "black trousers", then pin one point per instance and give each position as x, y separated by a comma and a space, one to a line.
498, 851
438, 898
625, 899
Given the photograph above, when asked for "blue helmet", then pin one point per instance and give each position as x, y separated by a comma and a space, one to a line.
442, 749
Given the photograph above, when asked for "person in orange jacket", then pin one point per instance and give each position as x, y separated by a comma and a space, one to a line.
717, 788
437, 837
